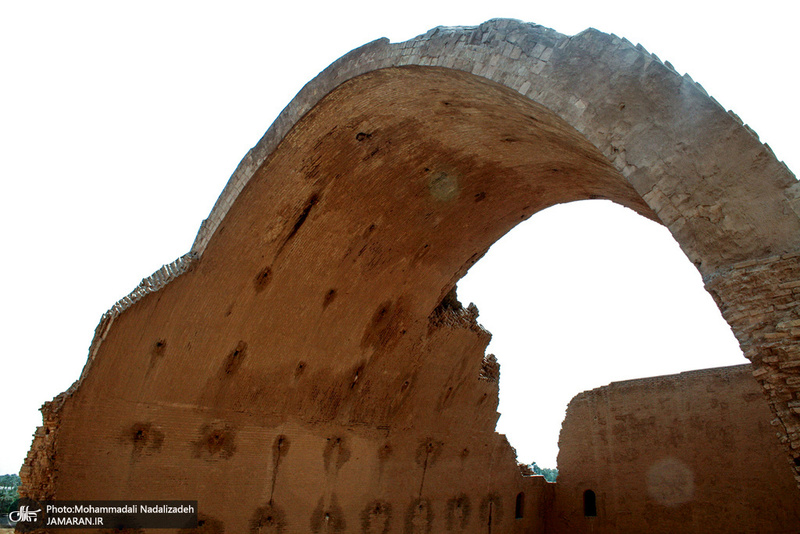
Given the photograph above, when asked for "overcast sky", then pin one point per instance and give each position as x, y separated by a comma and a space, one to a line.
120, 123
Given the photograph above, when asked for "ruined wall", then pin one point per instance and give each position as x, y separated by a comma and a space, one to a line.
692, 452
308, 355
314, 361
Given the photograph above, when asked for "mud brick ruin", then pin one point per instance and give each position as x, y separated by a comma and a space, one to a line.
306, 367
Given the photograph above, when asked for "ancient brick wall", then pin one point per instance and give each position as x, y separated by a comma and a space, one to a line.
692, 452
308, 347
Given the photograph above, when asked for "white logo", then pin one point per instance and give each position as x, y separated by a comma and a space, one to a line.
23, 515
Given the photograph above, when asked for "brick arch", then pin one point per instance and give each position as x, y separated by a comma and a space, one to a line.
730, 204
662, 131
314, 308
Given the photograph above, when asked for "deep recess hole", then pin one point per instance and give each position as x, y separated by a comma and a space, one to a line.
263, 279
329, 297
235, 358
301, 219
159, 347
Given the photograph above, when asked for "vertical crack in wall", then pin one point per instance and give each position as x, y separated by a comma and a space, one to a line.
424, 470
279, 449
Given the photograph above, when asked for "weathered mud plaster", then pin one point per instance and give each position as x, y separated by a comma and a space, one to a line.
692, 452
312, 309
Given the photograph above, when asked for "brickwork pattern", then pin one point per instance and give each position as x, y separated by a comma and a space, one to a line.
665, 454
530, 59
593, 81
760, 299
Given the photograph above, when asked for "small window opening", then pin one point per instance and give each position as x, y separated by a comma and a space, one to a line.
589, 504
520, 509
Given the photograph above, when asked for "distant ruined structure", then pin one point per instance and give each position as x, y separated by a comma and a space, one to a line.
309, 355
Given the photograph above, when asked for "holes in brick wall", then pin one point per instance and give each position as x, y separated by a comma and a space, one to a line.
159, 347
279, 449
206, 524
376, 517
384, 452
300, 369
263, 279
519, 508
336, 453
421, 253
458, 513
145, 437
419, 517
385, 327
157, 352
215, 440
428, 452
328, 518
234, 360
446, 399
329, 297
301, 219
357, 374
267, 518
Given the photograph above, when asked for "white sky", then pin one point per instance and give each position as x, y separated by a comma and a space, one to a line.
120, 123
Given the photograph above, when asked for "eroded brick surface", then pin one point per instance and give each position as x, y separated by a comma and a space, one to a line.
316, 311
760, 299
691, 452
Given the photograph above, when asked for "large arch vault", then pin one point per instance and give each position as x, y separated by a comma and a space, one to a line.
308, 341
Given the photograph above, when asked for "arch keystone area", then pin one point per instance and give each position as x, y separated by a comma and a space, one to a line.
311, 340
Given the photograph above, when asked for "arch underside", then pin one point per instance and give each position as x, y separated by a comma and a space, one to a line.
309, 341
